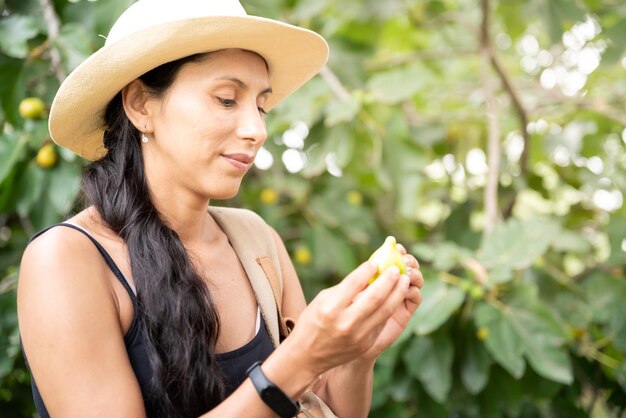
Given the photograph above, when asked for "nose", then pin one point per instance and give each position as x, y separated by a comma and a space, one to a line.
252, 125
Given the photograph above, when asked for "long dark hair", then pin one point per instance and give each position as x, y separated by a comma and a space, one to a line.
180, 320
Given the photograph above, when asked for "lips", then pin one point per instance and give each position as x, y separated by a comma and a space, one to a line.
239, 160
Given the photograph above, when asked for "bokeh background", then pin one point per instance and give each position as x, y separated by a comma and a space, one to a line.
488, 136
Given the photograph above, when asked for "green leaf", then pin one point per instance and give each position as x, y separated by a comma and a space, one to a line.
542, 342
526, 327
64, 186
30, 187
331, 253
439, 301
443, 256
15, 31
74, 45
561, 14
429, 359
305, 104
570, 241
616, 46
604, 295
615, 229
502, 341
11, 90
397, 85
341, 144
339, 111
11, 147
475, 366
516, 245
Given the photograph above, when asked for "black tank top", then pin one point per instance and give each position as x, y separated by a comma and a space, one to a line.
233, 363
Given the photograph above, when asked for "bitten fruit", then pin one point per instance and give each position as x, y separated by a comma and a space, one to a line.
386, 256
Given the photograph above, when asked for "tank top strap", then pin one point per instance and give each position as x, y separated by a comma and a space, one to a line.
107, 258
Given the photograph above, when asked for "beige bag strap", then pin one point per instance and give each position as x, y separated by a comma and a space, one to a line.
284, 325
251, 239
254, 244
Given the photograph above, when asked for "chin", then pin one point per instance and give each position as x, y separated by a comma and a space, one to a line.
224, 193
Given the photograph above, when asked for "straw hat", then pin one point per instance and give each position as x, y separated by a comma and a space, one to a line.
152, 32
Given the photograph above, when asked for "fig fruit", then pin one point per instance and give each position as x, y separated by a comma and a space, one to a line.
47, 156
269, 196
31, 108
303, 255
386, 256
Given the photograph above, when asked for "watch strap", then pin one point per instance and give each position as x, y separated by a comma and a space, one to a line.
281, 404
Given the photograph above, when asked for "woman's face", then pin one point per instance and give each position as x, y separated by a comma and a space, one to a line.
209, 125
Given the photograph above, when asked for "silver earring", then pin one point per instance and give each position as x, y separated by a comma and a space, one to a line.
144, 138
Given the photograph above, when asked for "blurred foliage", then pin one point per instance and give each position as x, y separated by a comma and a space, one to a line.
523, 313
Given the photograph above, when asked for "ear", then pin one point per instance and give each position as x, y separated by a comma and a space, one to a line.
134, 100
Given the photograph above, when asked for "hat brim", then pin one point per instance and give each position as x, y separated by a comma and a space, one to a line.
294, 55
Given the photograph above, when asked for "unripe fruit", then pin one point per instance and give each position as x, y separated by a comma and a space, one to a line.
47, 156
269, 196
386, 256
303, 255
477, 292
482, 333
31, 108
354, 198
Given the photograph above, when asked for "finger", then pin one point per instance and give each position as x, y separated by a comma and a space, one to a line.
371, 298
411, 261
401, 249
413, 298
390, 305
378, 305
417, 279
355, 282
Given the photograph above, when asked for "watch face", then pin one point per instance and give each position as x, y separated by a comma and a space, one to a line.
277, 400
271, 394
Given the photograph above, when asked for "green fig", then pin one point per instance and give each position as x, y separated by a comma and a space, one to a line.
386, 256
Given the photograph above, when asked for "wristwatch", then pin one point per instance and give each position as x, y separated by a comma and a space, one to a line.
273, 397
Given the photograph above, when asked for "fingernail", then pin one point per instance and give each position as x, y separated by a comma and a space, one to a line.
395, 271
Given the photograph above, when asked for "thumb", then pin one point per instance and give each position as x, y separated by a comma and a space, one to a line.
356, 282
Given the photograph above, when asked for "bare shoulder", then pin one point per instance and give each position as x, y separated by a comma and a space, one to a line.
70, 328
61, 272
62, 252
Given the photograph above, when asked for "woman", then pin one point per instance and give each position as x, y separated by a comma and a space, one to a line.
127, 310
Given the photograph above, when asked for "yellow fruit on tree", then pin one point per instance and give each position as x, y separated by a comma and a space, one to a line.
269, 196
386, 256
482, 333
354, 198
31, 108
47, 156
303, 255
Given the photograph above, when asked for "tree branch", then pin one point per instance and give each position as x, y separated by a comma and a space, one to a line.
522, 113
335, 85
53, 26
492, 215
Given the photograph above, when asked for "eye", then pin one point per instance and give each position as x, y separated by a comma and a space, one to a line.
226, 102
262, 111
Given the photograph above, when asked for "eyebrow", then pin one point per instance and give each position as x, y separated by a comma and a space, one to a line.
244, 85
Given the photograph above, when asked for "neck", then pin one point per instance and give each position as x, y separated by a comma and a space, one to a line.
186, 214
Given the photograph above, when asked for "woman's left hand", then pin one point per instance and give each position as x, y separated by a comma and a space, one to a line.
396, 324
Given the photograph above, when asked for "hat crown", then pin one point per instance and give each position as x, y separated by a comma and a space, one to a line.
148, 13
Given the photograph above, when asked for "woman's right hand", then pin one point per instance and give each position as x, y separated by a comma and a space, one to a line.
343, 321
